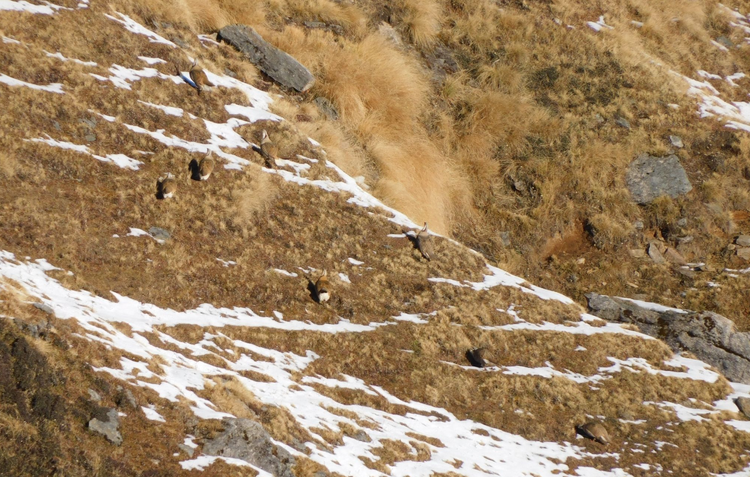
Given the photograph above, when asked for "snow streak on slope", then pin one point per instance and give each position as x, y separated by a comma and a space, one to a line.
477, 445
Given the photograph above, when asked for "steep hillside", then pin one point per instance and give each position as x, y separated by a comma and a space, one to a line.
172, 316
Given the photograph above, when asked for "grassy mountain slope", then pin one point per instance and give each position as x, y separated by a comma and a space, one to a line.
509, 140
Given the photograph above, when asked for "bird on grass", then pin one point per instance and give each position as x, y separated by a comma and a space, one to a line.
476, 357
199, 77
425, 244
322, 288
267, 150
206, 167
595, 431
166, 186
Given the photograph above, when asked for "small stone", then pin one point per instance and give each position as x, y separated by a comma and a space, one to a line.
676, 141
638, 224
685, 272
186, 449
44, 307
682, 222
599, 118
580, 261
94, 395
108, 427
90, 137
731, 247
637, 253
684, 240
744, 253
743, 404
89, 122
327, 108
725, 41
505, 239
56, 125
743, 241
674, 256
159, 234
622, 122
655, 254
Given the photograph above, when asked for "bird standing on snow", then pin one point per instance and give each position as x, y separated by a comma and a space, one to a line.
199, 77
322, 288
166, 186
268, 150
424, 243
595, 431
206, 167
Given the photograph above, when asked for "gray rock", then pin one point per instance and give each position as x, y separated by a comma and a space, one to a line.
676, 141
637, 253
95, 396
107, 426
743, 240
743, 404
247, 440
159, 234
622, 122
390, 33
744, 253
90, 122
709, 336
655, 253
327, 108
682, 222
638, 224
649, 177
90, 137
725, 41
44, 307
280, 66
505, 239
187, 449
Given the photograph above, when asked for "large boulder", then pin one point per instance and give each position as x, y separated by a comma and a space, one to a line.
247, 440
710, 337
649, 177
277, 64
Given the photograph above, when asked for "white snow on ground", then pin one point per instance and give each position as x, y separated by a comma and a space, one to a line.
23, 6
50, 88
151, 413
135, 27
201, 462
120, 160
599, 25
651, 306
172, 111
499, 452
60, 57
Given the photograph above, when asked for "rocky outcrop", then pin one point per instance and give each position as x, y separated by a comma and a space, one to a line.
711, 337
649, 177
280, 66
247, 440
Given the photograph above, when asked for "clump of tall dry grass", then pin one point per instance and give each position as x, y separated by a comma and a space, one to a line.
254, 198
